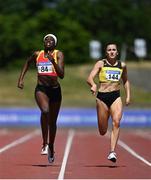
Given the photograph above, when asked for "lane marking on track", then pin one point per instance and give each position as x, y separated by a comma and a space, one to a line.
71, 134
20, 141
145, 135
132, 152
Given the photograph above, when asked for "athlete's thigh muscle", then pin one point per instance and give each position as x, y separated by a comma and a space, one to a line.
42, 100
116, 109
102, 113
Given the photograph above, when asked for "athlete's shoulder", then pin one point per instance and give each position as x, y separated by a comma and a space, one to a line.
98, 64
100, 61
33, 56
36, 53
60, 54
58, 51
123, 64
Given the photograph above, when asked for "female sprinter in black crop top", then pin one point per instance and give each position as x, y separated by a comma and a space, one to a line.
50, 66
108, 100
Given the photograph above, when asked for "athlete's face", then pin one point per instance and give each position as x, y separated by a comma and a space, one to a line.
49, 43
111, 51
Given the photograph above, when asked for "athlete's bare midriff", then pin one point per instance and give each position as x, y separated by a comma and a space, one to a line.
109, 87
48, 81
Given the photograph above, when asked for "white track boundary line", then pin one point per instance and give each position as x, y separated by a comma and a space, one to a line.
145, 135
66, 153
132, 152
19, 141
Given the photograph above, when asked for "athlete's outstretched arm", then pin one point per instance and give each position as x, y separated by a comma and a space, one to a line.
25, 68
126, 84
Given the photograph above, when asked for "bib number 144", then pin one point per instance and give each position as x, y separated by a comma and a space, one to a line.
113, 76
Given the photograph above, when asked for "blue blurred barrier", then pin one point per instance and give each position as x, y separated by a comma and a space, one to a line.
75, 117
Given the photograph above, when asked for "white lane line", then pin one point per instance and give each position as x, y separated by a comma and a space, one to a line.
132, 152
145, 135
66, 153
19, 141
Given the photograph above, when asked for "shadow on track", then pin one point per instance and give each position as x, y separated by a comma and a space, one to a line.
108, 166
40, 165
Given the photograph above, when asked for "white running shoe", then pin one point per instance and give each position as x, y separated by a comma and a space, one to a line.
51, 157
112, 157
44, 150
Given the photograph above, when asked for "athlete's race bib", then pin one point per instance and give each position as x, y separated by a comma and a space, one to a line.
45, 67
113, 75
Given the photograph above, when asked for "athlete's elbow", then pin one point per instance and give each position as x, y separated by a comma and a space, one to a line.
126, 83
61, 76
88, 81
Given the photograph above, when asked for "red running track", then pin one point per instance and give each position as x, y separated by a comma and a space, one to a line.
80, 154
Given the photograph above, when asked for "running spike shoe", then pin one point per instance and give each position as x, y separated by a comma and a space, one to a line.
112, 157
51, 156
44, 150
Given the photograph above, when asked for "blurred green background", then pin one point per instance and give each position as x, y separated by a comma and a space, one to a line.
23, 25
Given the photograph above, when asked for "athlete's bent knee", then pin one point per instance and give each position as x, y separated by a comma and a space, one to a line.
116, 124
102, 132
